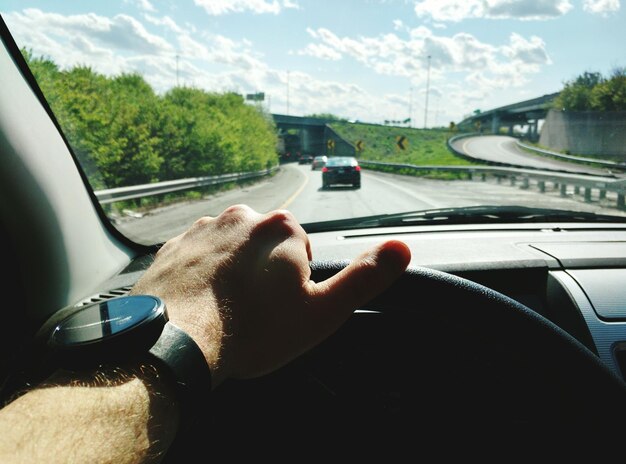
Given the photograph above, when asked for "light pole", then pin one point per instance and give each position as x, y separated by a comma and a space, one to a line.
177, 84
427, 90
411, 107
287, 93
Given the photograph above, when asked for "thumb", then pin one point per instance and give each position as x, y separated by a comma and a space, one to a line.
336, 298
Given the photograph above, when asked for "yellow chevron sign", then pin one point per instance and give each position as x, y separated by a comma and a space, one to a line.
402, 142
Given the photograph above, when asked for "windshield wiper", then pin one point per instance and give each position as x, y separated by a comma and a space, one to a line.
464, 215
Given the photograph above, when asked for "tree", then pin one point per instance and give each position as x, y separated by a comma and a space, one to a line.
328, 116
592, 92
610, 95
576, 95
124, 134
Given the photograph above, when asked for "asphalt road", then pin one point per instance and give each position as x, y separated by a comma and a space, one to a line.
504, 149
299, 189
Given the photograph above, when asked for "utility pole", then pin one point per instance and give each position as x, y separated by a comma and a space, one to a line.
427, 91
411, 107
177, 70
287, 93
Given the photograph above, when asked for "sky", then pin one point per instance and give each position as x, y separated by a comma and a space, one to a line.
430, 61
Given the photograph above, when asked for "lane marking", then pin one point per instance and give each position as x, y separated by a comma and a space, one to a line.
426, 200
464, 146
297, 192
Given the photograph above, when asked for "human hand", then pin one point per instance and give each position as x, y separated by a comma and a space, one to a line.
240, 285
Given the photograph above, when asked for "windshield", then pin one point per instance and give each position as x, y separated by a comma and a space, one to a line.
482, 109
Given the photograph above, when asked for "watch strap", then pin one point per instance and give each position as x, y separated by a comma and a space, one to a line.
188, 367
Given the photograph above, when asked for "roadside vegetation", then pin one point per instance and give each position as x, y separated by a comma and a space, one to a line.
591, 91
422, 147
125, 134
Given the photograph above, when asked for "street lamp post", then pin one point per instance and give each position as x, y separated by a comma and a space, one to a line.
427, 91
411, 107
287, 93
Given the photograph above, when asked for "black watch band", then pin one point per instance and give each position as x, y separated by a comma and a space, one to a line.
185, 362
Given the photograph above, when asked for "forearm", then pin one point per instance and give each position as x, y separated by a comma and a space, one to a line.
121, 416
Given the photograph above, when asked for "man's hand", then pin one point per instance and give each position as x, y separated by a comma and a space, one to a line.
240, 285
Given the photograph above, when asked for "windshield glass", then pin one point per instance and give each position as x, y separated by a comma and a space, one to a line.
176, 110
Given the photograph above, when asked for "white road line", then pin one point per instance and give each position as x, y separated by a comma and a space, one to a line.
426, 200
465, 147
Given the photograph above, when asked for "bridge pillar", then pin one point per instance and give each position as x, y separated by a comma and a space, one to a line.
495, 123
305, 140
533, 130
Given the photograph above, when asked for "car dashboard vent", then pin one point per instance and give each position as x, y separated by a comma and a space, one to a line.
105, 296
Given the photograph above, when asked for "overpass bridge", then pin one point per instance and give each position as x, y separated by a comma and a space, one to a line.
308, 135
525, 113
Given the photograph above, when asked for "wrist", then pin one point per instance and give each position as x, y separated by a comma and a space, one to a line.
207, 329
126, 412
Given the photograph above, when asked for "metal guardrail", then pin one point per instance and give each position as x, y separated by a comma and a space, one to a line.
562, 180
603, 163
157, 188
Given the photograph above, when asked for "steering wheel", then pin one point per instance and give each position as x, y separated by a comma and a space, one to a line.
434, 352
474, 352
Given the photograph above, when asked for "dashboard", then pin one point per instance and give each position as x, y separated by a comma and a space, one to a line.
571, 274
520, 325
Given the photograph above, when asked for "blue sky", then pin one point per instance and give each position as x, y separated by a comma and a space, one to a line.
365, 60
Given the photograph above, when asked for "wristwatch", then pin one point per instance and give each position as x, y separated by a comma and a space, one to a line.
122, 329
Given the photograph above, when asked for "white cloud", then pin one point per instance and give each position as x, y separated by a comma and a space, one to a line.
165, 21
530, 52
457, 10
220, 7
390, 54
291, 5
479, 64
602, 7
145, 5
105, 44
321, 51
121, 44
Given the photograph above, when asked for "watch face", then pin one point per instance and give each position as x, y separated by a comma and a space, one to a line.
99, 321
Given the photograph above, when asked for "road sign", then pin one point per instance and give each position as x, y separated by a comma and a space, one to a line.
402, 142
259, 96
359, 145
330, 144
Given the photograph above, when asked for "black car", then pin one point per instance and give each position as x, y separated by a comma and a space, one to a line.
305, 159
341, 170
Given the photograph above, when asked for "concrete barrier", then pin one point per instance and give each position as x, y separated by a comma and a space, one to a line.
585, 132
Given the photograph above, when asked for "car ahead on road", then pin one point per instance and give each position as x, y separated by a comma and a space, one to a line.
318, 162
341, 170
305, 159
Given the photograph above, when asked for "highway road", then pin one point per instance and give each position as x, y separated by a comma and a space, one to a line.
504, 149
299, 189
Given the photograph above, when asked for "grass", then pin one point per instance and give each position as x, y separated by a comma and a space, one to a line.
422, 147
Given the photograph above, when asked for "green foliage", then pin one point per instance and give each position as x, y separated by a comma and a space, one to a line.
424, 147
328, 116
592, 92
124, 134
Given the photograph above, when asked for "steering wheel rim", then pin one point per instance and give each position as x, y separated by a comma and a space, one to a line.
434, 357
560, 380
